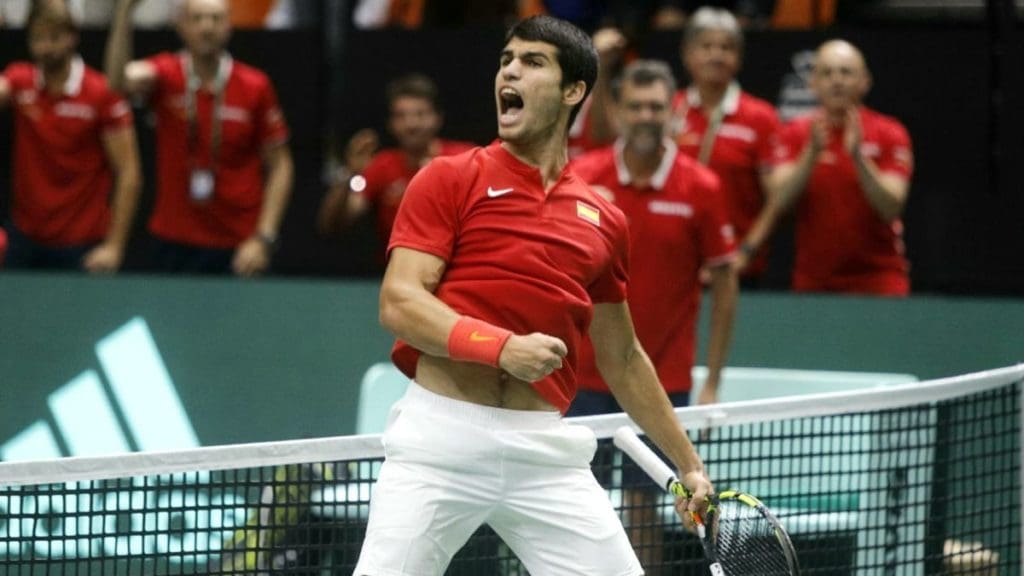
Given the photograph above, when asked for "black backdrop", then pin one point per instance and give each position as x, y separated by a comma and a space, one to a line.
964, 230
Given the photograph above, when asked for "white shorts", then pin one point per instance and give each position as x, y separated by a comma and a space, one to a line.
451, 466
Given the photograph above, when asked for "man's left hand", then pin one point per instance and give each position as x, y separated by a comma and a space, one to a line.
251, 258
103, 259
708, 394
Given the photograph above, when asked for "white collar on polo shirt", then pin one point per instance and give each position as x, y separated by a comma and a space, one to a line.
668, 158
730, 101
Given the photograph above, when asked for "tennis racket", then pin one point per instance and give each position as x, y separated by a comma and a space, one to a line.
740, 536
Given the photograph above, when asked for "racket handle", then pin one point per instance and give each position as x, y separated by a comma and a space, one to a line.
627, 441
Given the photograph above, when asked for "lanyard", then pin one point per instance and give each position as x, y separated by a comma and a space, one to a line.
192, 86
714, 122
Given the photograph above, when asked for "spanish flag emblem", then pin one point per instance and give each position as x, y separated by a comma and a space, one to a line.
588, 213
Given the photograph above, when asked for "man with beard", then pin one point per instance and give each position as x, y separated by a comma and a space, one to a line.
377, 179
715, 122
848, 169
224, 170
76, 163
678, 224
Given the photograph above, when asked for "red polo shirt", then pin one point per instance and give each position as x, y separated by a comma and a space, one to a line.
251, 122
62, 177
742, 149
842, 244
517, 256
387, 176
677, 223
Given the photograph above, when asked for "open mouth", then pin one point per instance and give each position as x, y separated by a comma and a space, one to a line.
510, 105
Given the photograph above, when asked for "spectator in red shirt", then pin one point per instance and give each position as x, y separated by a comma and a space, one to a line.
224, 170
678, 224
501, 259
717, 123
377, 180
76, 163
848, 169
727, 129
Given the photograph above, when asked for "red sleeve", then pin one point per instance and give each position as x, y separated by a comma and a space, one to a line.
897, 154
272, 128
428, 217
767, 129
789, 142
115, 112
715, 236
19, 75
165, 65
595, 167
611, 286
581, 166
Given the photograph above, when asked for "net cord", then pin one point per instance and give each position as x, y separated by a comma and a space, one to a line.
827, 404
357, 447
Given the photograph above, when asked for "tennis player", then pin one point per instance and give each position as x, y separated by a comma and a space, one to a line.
500, 260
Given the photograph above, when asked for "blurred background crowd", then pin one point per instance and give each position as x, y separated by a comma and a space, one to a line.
275, 137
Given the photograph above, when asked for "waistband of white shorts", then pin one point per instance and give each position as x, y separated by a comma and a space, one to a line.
487, 416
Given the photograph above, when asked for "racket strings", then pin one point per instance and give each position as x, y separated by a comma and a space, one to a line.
747, 542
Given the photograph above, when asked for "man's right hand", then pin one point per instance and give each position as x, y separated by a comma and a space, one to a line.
360, 149
611, 47
701, 490
533, 356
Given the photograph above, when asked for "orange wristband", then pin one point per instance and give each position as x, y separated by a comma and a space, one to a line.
477, 341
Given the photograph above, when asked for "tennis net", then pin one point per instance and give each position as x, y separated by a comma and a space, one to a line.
906, 480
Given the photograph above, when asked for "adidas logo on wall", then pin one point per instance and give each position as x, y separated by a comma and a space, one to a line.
115, 520
86, 417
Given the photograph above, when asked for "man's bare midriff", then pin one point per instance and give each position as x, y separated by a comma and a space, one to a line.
478, 384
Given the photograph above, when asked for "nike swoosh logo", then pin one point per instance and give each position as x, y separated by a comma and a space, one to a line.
495, 193
475, 336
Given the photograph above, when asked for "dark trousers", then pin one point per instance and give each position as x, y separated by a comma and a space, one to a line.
588, 403
177, 258
25, 253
